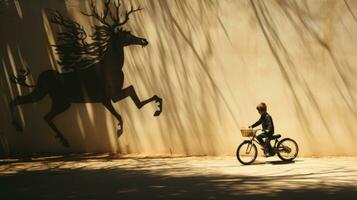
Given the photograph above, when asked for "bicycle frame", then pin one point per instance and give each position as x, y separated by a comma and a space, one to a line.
253, 139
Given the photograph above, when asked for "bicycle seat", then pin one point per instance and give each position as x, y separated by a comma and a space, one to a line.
275, 136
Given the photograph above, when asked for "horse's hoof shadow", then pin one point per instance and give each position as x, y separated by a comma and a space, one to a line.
17, 126
158, 112
119, 132
63, 141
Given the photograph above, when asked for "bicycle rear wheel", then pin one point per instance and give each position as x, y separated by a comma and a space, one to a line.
287, 149
247, 152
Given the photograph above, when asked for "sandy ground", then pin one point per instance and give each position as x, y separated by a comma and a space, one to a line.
109, 177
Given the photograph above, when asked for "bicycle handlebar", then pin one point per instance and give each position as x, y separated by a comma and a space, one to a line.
259, 129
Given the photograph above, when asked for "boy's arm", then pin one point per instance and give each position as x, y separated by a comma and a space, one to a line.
260, 121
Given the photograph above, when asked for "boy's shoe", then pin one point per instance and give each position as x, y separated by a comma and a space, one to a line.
268, 153
272, 153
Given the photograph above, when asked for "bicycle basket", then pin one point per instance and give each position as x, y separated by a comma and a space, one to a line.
248, 132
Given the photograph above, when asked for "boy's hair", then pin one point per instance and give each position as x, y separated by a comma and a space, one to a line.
262, 107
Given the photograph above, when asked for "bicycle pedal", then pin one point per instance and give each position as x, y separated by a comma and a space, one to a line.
269, 155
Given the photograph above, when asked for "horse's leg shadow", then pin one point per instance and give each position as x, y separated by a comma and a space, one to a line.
109, 106
36, 95
130, 92
56, 109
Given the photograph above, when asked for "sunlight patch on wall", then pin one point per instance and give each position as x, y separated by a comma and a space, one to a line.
111, 125
90, 112
19, 90
51, 40
18, 9
81, 125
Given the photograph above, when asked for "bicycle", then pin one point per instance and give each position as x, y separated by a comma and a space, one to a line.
287, 149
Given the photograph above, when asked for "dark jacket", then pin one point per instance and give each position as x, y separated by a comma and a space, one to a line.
267, 123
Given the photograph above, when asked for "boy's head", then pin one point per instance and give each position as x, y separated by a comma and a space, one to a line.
262, 108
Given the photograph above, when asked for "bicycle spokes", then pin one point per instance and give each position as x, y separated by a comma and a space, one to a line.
287, 149
249, 148
247, 152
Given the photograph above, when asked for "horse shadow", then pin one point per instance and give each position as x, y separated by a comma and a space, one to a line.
91, 72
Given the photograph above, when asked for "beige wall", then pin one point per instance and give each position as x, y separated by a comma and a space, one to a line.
212, 62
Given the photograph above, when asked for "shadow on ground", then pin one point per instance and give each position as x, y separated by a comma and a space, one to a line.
146, 178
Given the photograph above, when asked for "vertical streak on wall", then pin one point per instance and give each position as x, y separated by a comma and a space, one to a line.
51, 41
19, 90
18, 8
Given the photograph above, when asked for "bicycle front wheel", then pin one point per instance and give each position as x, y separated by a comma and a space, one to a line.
287, 149
247, 152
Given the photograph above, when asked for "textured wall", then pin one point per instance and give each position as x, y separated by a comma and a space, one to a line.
212, 62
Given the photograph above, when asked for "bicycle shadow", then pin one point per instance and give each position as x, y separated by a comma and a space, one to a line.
281, 162
274, 162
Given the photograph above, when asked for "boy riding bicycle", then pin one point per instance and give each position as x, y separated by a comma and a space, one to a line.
268, 128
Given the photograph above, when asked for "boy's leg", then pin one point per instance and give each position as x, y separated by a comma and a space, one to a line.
260, 138
265, 144
268, 145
